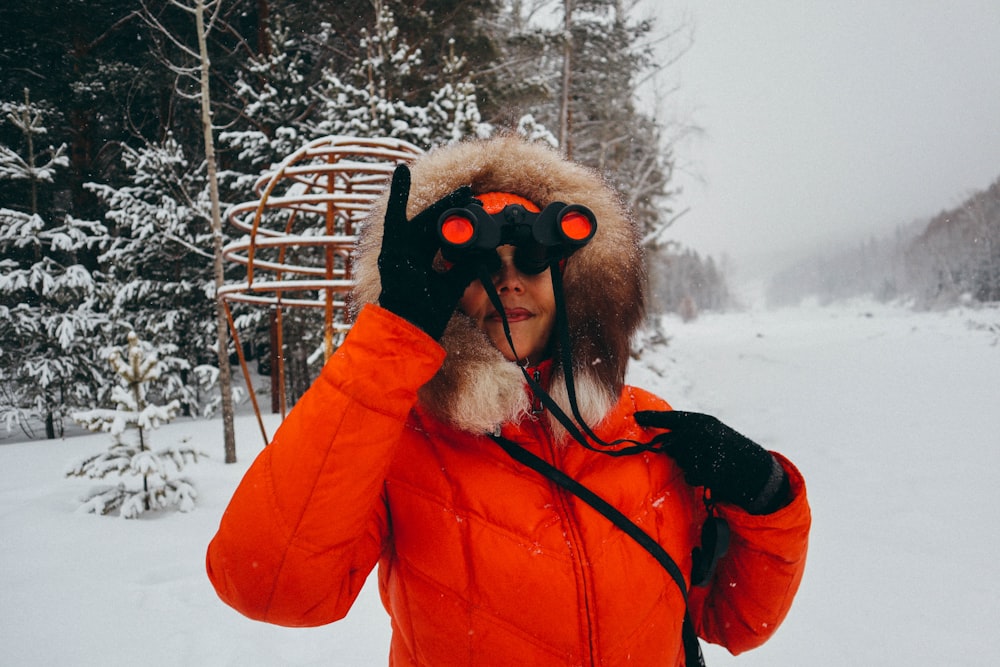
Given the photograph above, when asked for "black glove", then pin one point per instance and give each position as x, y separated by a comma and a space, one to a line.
736, 469
411, 288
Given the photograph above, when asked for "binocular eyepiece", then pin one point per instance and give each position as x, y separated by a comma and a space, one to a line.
539, 238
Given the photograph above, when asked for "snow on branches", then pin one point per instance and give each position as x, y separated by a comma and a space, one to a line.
28, 119
49, 317
150, 484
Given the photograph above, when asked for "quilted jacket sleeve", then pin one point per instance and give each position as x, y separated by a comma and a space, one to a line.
307, 523
756, 581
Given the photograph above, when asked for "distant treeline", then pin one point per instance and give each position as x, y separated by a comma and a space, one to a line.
684, 282
953, 258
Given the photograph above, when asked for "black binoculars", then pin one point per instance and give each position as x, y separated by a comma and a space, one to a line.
539, 238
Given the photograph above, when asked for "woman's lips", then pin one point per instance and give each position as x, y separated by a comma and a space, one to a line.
513, 315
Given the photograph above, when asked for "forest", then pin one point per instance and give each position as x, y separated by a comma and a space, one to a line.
112, 192
951, 258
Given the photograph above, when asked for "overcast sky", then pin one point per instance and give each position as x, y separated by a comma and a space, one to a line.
830, 120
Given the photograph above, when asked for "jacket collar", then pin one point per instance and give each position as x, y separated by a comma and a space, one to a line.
542, 374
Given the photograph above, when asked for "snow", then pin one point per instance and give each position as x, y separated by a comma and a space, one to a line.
891, 414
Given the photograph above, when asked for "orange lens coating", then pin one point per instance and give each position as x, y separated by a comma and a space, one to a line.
457, 230
576, 226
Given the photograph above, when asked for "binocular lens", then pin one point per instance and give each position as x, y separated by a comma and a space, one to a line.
540, 238
576, 226
457, 230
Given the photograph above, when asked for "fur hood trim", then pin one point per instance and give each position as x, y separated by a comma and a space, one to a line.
477, 389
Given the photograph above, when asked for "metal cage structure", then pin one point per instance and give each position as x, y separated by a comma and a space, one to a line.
299, 237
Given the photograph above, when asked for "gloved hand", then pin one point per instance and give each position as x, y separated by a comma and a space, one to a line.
735, 469
411, 288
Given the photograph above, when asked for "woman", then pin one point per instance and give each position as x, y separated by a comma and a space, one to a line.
389, 457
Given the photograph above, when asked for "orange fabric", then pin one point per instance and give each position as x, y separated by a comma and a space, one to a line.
494, 202
480, 560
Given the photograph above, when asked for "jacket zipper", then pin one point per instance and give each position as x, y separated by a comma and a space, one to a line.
574, 542
536, 403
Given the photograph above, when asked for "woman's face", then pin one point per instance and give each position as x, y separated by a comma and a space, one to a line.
528, 302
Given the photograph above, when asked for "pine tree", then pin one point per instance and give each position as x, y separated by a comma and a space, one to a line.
160, 266
276, 98
581, 79
611, 53
82, 60
294, 94
372, 98
29, 121
150, 484
50, 321
188, 57
273, 94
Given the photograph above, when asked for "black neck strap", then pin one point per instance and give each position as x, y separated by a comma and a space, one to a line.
692, 649
577, 427
546, 469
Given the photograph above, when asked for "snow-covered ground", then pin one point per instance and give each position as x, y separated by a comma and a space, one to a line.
893, 416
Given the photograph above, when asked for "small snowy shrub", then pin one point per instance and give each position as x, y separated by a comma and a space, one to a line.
147, 476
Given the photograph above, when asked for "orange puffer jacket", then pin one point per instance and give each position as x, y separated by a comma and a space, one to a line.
482, 561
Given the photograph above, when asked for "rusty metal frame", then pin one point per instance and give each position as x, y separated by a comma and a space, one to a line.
319, 195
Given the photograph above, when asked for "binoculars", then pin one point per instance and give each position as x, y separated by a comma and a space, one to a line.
539, 238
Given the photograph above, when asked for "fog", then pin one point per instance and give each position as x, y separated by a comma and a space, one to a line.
824, 123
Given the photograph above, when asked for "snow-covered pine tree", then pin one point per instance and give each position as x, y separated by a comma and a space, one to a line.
299, 91
372, 98
611, 52
29, 121
50, 322
276, 100
452, 113
160, 263
582, 78
149, 483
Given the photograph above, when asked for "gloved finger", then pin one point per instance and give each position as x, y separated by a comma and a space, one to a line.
673, 419
658, 418
399, 195
457, 198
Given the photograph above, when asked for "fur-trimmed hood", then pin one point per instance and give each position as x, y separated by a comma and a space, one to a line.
477, 389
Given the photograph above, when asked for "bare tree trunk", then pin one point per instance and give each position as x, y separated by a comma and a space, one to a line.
263, 22
222, 330
565, 114
29, 137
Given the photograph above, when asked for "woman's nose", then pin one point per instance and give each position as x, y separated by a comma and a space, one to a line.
508, 278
